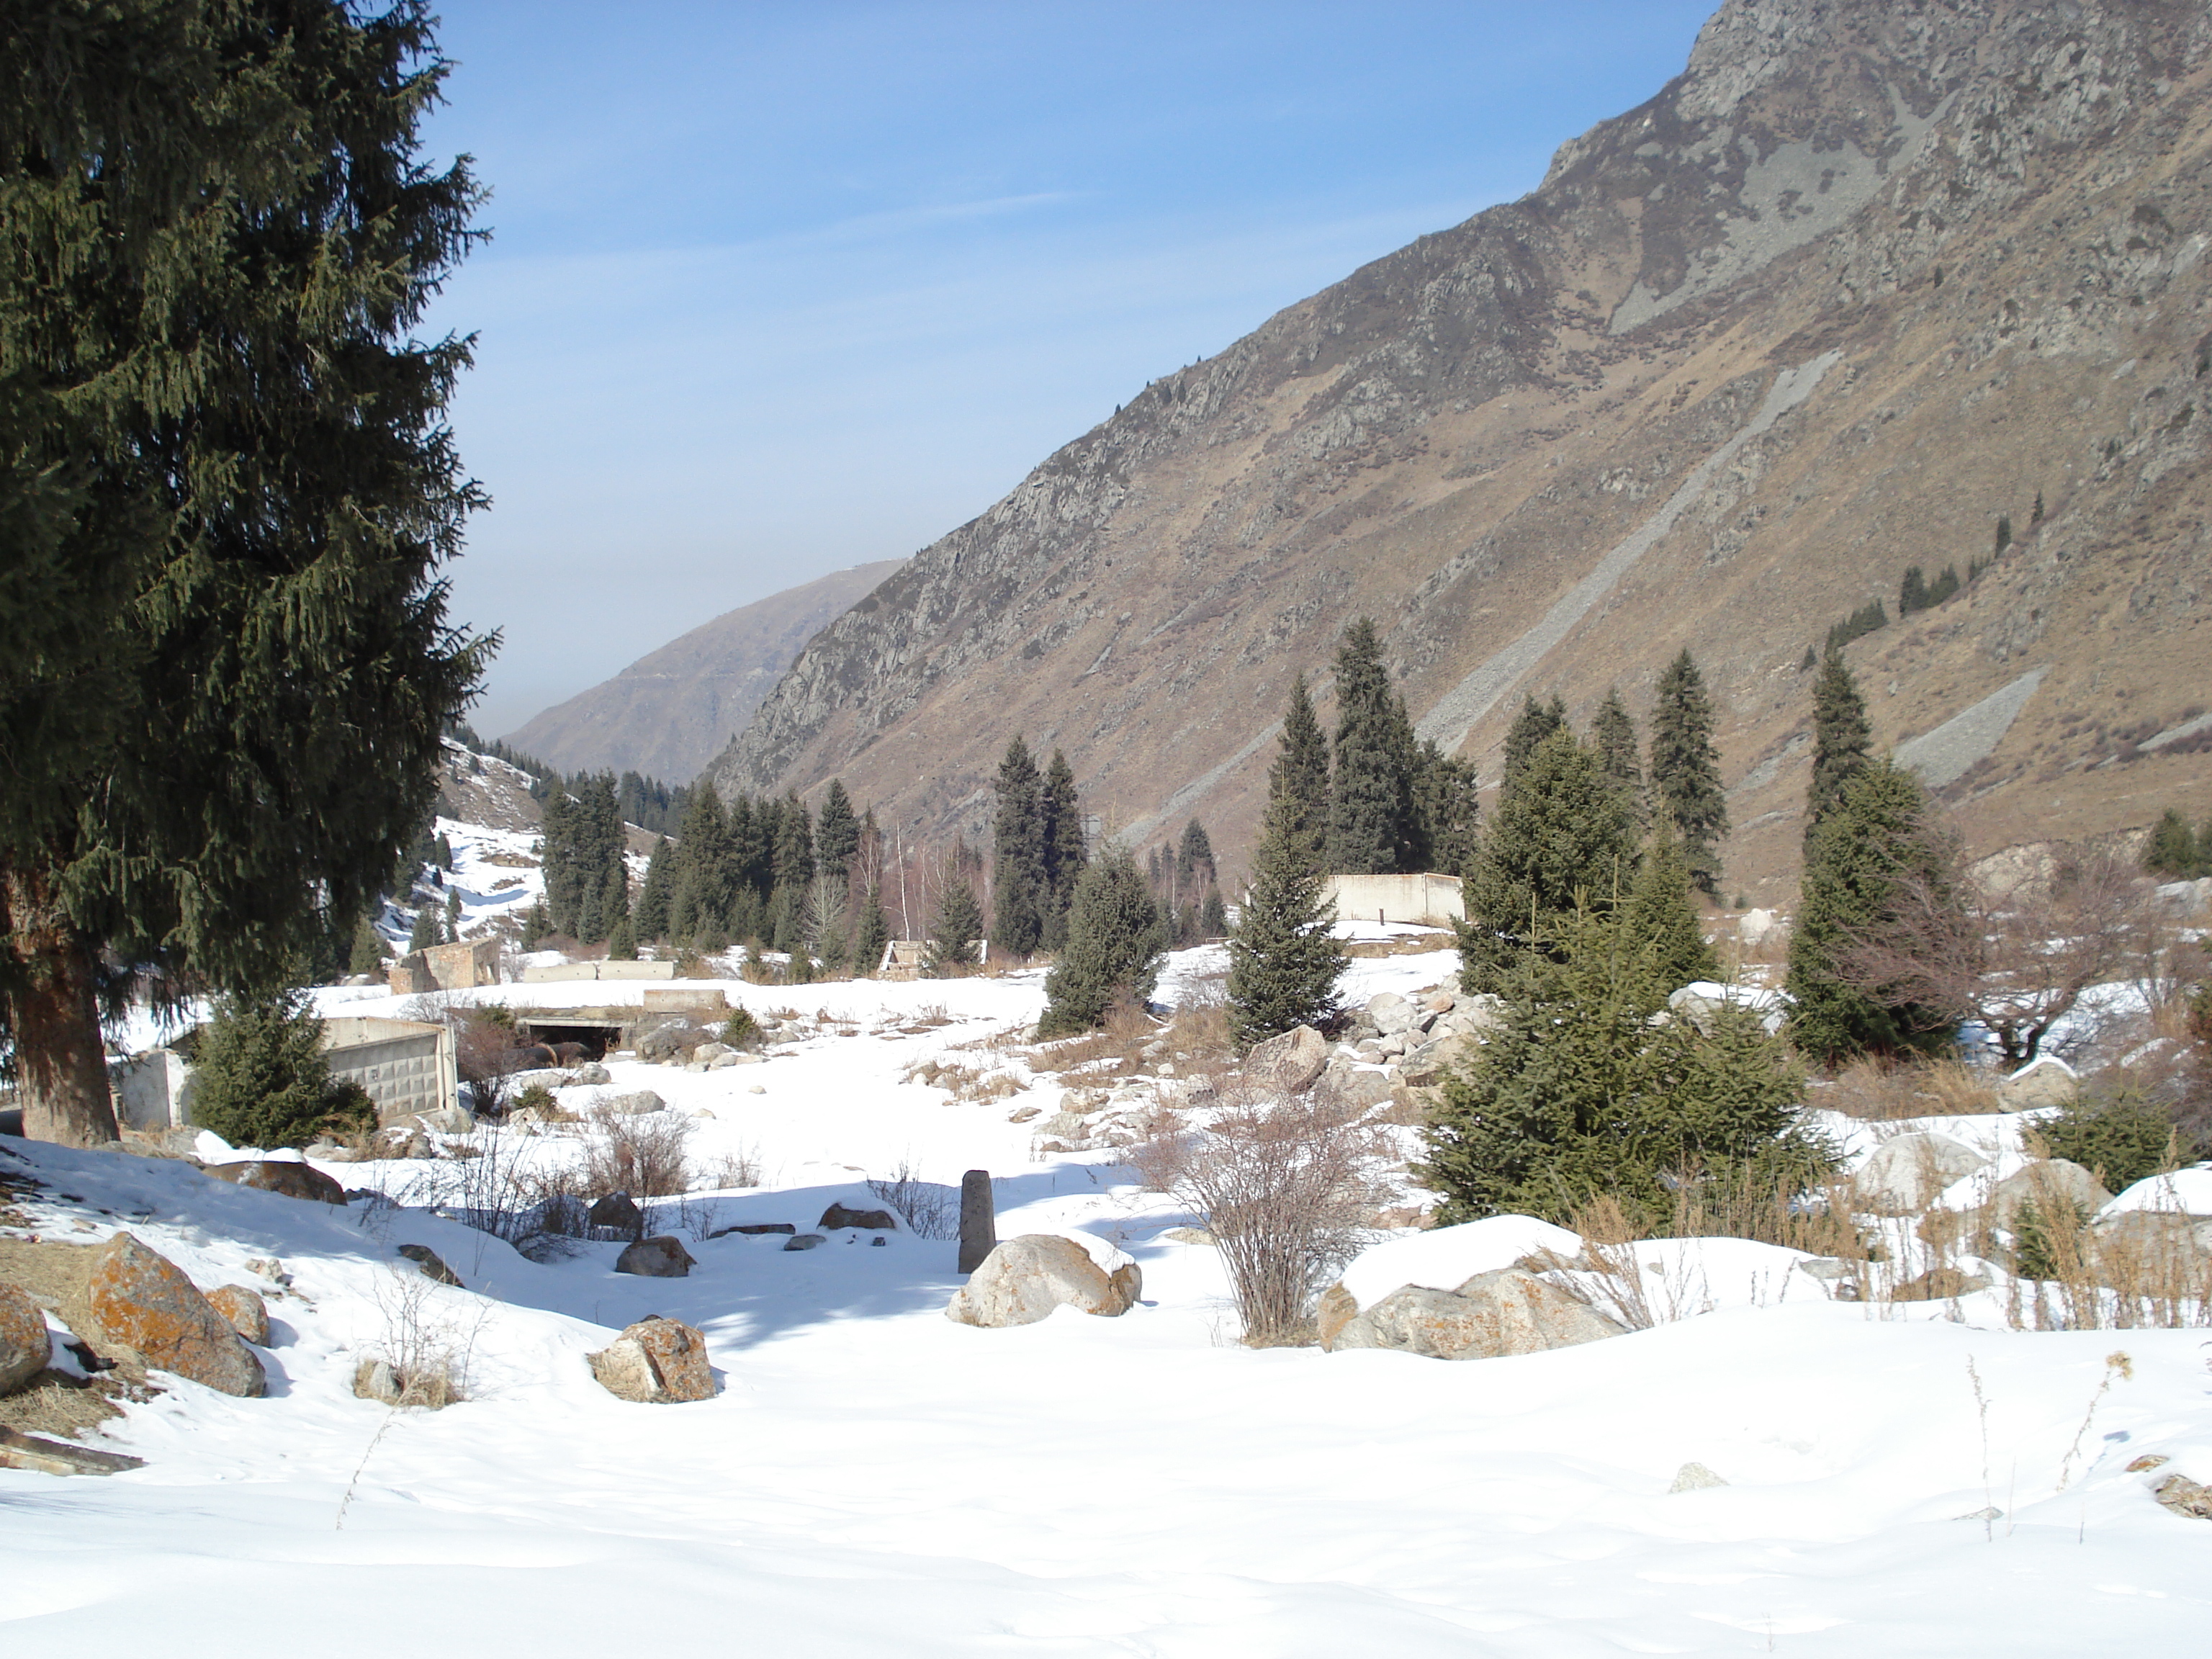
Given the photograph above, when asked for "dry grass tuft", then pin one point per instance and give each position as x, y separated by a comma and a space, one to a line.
1884, 1091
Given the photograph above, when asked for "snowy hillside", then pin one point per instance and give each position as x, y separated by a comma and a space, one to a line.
873, 1478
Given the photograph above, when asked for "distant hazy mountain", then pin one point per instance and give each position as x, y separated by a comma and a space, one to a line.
669, 713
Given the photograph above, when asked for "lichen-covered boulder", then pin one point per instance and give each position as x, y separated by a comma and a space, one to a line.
276, 1174
1025, 1278
656, 1362
1491, 1315
244, 1309
23, 1345
141, 1300
1289, 1063
664, 1257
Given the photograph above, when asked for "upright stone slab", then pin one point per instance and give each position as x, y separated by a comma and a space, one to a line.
979, 1219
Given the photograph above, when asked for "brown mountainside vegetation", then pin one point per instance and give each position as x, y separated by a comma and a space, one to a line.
1868, 287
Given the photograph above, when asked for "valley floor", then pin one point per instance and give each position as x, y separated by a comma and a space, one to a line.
874, 1479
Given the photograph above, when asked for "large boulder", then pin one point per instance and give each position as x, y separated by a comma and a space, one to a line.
24, 1345
638, 1103
664, 1257
2049, 1184
244, 1310
141, 1300
275, 1175
619, 1212
1025, 1278
1391, 1013
1491, 1315
2158, 1252
1287, 1064
656, 1362
1905, 1172
839, 1215
2049, 1081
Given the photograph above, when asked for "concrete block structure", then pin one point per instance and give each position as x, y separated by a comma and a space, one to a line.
446, 968
1421, 901
406, 1065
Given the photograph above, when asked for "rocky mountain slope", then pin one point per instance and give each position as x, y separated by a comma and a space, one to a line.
1863, 284
669, 713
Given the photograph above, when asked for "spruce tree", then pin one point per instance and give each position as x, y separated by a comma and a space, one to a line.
1685, 769
260, 1078
1874, 839
2172, 851
1536, 722
451, 932
836, 832
423, 935
1841, 739
1446, 811
226, 491
650, 919
1370, 793
621, 941
1064, 851
1284, 959
871, 933
1561, 841
957, 923
1660, 920
1613, 733
1018, 854
1115, 936
1301, 772
368, 952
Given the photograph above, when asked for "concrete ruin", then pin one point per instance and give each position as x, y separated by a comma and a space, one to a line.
1420, 901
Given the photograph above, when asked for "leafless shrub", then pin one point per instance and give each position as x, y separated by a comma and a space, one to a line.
2017, 959
733, 1167
429, 1339
639, 1153
486, 1053
1285, 1186
973, 1082
929, 1208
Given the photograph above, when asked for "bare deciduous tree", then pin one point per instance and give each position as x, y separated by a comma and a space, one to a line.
2017, 957
1286, 1186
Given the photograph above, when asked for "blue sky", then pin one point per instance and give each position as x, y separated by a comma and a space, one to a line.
779, 289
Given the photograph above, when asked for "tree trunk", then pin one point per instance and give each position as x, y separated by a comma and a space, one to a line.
53, 1018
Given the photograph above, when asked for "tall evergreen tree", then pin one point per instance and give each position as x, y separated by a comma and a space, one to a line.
1018, 854
793, 869
871, 933
1064, 851
650, 919
699, 901
1300, 774
1284, 959
1115, 936
1874, 840
1660, 921
368, 952
1841, 739
1560, 841
1685, 769
836, 832
1447, 815
1370, 794
1536, 722
957, 922
226, 488
1613, 732
2172, 850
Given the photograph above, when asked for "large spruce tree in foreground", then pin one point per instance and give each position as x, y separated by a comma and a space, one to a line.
226, 488
1685, 769
1283, 961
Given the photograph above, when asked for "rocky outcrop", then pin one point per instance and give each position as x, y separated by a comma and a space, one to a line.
1025, 1278
142, 1301
1491, 1316
1287, 1064
1689, 390
656, 1362
1903, 1176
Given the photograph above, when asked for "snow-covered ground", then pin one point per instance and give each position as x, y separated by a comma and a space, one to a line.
875, 1479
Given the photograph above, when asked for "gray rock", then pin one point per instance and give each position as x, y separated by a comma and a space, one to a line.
803, 1240
1905, 1172
1081, 1102
1065, 1126
243, 1307
1493, 1315
655, 1362
2051, 1184
41, 1455
24, 1347
374, 1379
1390, 1012
444, 1121
2049, 1081
711, 1051
662, 1257
1025, 1278
840, 1216
1940, 1285
1287, 1064
637, 1103
594, 1075
1694, 1477
617, 1213
2157, 1247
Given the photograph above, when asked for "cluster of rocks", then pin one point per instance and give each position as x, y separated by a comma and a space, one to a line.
1508, 1310
1123, 1114
1414, 1038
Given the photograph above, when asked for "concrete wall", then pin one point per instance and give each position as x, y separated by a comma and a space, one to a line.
446, 968
152, 1091
1431, 901
563, 972
406, 1065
